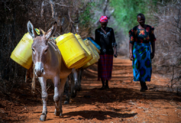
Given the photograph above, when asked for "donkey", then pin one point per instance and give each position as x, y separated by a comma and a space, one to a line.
49, 64
71, 85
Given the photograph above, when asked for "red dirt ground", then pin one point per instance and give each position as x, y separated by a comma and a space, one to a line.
123, 102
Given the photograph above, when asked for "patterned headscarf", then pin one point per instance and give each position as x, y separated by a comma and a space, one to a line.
103, 19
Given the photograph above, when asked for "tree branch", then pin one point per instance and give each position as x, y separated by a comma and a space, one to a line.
109, 16
70, 19
53, 8
105, 7
64, 5
42, 8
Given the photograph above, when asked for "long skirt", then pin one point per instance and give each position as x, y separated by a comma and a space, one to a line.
142, 68
105, 65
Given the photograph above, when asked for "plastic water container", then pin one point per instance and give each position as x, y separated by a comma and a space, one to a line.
22, 54
95, 47
86, 49
72, 52
94, 52
98, 47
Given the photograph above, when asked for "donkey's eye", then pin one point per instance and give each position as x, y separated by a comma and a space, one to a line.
33, 50
46, 50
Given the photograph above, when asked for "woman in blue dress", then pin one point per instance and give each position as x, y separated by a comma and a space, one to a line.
141, 38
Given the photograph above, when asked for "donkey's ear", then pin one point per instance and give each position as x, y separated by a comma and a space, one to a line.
42, 32
31, 29
51, 31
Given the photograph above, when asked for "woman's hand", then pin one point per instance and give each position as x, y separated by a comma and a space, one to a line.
131, 56
115, 52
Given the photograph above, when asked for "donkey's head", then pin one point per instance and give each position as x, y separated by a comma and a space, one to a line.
40, 49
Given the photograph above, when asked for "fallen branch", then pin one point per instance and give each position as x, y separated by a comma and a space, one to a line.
48, 87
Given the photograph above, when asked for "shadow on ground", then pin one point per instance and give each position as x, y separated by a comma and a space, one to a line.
100, 115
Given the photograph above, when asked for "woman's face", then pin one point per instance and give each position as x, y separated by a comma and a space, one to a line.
141, 20
103, 24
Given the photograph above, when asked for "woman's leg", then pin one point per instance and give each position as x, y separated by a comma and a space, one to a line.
143, 86
103, 85
107, 86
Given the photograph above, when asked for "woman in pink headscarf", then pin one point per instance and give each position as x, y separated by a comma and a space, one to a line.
104, 37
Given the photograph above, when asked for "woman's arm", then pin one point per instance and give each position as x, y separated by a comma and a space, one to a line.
131, 51
131, 41
153, 39
97, 37
153, 49
114, 44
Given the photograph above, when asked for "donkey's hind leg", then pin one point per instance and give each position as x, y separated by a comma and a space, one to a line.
66, 91
44, 98
58, 93
74, 83
80, 72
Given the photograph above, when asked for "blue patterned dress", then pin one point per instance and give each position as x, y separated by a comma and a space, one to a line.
141, 40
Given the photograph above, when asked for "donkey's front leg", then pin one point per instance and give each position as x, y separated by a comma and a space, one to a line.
79, 79
44, 95
58, 92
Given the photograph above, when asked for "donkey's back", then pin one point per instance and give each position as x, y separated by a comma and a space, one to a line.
56, 65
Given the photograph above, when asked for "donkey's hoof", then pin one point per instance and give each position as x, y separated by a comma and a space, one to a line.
57, 113
43, 117
66, 102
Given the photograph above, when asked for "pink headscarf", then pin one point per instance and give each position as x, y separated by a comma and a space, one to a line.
103, 19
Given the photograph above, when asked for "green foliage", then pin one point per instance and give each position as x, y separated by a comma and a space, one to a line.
126, 11
85, 17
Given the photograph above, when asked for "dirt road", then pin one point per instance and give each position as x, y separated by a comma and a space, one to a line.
123, 102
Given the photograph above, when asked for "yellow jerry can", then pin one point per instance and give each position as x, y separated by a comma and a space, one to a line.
95, 47
94, 52
86, 49
22, 54
72, 52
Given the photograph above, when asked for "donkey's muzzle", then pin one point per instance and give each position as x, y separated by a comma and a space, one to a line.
39, 69
39, 72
